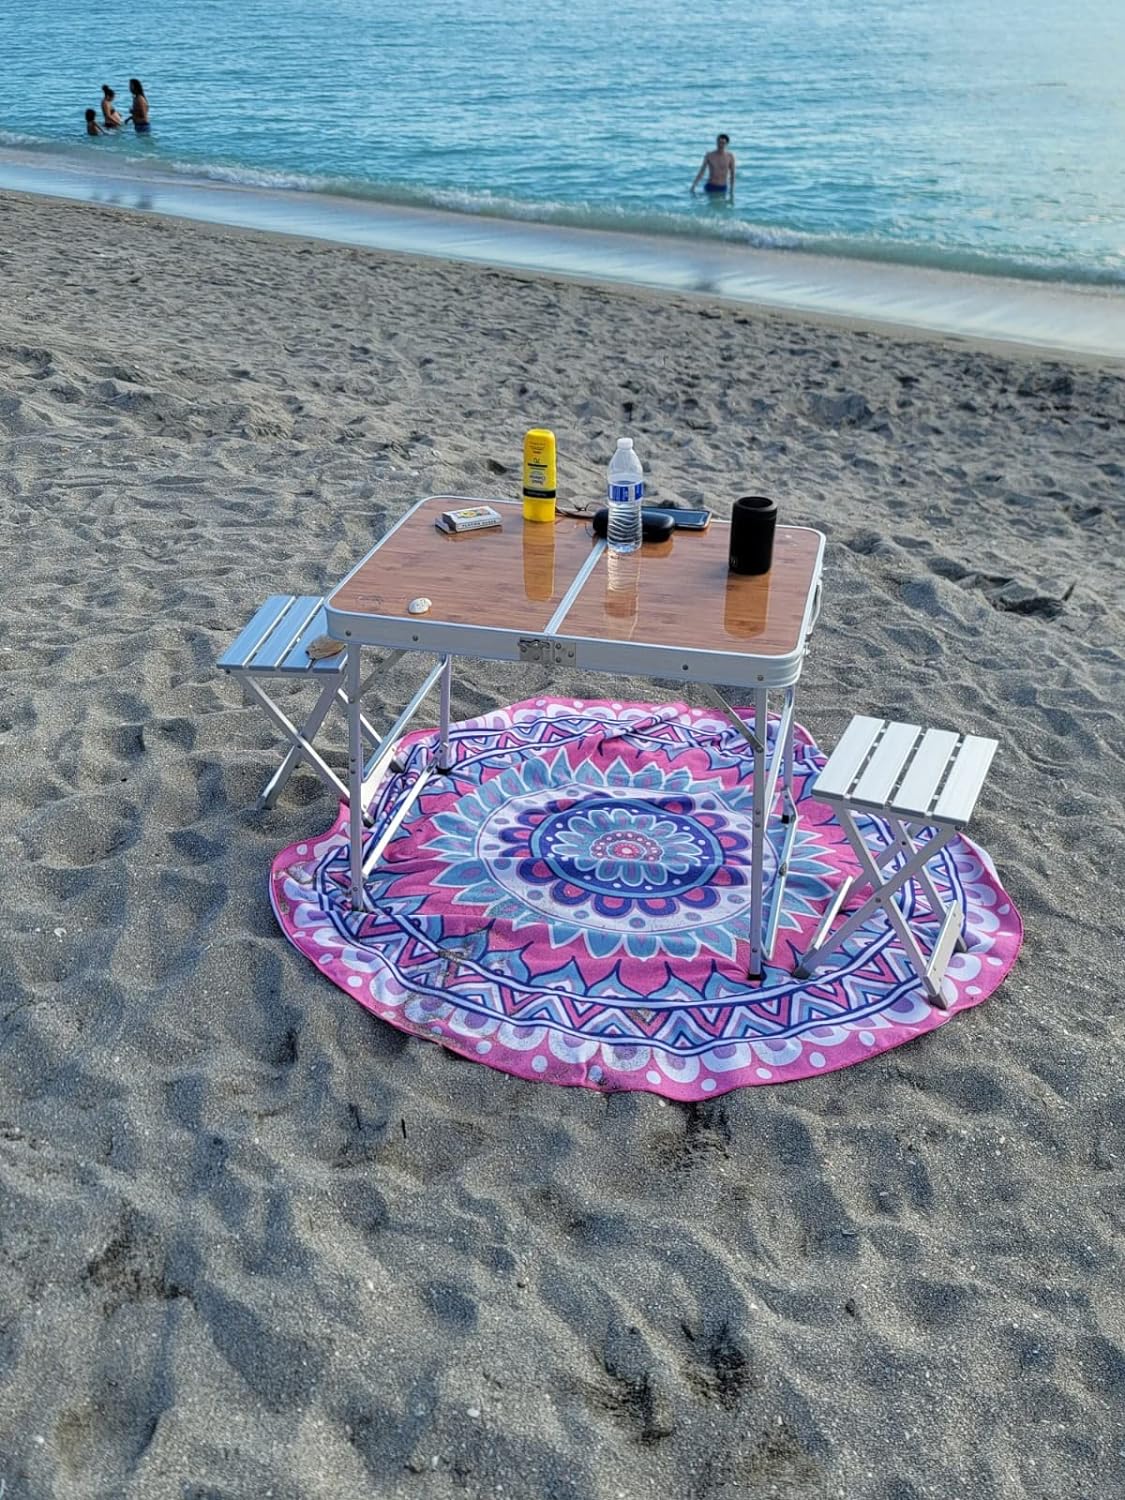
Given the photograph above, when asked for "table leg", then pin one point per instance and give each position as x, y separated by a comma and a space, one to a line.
353, 692
443, 755
790, 810
758, 829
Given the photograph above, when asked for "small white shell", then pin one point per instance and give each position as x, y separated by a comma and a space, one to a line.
419, 606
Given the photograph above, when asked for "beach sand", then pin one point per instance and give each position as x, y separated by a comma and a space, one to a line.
255, 1243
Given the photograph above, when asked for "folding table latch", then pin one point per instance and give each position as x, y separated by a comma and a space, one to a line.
546, 651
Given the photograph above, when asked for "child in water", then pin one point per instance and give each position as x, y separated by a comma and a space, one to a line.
92, 126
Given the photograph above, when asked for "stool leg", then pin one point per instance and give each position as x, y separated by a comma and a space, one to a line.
790, 802
906, 838
296, 737
884, 890
906, 841
272, 789
887, 892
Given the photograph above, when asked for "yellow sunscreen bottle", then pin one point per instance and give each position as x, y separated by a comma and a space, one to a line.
539, 475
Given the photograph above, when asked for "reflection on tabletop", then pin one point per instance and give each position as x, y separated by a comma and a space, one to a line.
746, 604
538, 560
622, 586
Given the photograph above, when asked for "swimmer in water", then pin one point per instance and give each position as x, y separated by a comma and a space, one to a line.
111, 120
719, 166
92, 126
139, 112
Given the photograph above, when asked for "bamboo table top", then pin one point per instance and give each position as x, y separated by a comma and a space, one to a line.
506, 578
514, 577
682, 593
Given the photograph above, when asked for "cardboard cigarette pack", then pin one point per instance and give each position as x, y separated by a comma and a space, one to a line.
468, 518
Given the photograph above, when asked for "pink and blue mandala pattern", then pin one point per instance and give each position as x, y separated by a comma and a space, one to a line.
605, 859
572, 903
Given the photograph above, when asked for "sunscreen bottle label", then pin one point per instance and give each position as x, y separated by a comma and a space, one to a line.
539, 471
539, 475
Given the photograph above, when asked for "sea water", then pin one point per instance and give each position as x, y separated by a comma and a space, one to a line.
939, 134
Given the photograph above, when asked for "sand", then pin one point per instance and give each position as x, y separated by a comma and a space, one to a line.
255, 1243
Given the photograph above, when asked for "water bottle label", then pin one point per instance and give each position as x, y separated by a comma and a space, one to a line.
625, 493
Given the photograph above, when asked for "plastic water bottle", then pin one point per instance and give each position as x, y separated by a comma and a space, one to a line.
625, 488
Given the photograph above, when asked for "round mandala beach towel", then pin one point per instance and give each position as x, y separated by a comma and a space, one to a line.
572, 904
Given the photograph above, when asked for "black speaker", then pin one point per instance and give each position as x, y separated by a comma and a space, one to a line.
753, 521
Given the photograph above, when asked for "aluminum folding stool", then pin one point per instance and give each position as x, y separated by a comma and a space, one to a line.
275, 643
921, 787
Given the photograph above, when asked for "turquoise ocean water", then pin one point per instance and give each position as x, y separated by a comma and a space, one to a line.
949, 134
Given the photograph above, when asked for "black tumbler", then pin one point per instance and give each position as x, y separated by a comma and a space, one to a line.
753, 521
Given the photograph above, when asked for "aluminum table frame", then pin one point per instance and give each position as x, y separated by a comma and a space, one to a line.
760, 674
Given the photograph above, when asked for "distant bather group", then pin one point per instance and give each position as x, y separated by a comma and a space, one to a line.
111, 120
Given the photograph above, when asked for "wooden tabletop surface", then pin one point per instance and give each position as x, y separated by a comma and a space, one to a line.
514, 577
511, 577
683, 593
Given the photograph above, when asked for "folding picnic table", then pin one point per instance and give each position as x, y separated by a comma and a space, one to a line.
553, 594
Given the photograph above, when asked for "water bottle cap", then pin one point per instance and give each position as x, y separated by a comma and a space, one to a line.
624, 442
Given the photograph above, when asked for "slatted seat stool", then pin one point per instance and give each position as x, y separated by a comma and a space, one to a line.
275, 643
921, 787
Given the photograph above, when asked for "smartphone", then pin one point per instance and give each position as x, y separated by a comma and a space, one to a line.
691, 520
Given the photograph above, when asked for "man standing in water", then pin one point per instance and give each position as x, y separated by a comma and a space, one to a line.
719, 166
